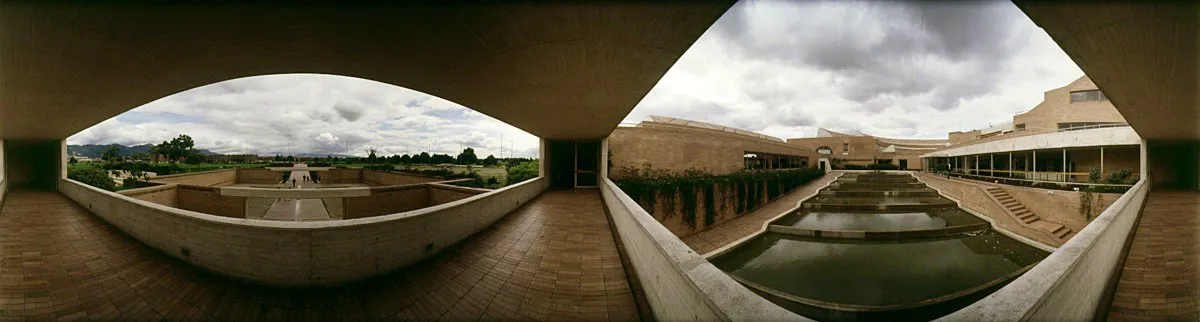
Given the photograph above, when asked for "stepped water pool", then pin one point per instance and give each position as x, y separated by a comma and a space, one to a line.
915, 262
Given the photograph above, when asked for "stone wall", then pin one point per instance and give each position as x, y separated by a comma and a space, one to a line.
300, 254
1056, 107
209, 200
669, 210
976, 199
165, 195
386, 178
387, 200
258, 176
215, 178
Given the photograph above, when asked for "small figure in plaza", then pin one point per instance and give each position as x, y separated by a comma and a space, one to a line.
293, 182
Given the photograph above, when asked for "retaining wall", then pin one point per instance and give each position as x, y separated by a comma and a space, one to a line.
1070, 284
680, 284
165, 195
213, 178
258, 176
209, 200
302, 253
385, 178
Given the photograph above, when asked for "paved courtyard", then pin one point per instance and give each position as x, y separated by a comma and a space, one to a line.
553, 259
1160, 278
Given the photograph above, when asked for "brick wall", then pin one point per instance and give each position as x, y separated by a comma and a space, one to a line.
214, 178
163, 195
209, 200
258, 176
386, 201
342, 175
384, 178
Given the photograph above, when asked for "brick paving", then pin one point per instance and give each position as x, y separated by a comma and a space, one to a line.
1160, 278
553, 259
730, 231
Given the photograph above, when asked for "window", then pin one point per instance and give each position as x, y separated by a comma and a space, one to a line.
1087, 96
824, 150
1020, 127
845, 147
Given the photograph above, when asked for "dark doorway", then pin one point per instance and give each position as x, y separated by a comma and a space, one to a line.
561, 167
903, 164
1174, 164
587, 164
32, 164
822, 164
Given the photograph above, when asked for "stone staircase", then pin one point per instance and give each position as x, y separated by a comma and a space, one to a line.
1026, 216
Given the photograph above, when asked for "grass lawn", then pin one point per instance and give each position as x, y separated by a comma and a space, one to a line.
485, 172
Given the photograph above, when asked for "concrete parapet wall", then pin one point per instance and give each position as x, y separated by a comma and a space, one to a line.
215, 178
165, 195
679, 283
974, 198
210, 201
296, 254
258, 176
1070, 284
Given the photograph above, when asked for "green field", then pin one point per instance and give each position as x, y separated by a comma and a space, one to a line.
485, 172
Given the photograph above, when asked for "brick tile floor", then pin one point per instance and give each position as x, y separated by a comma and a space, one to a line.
553, 259
730, 231
1160, 278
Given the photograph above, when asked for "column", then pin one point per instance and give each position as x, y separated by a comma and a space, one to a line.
976, 164
1010, 165
1102, 161
992, 164
1034, 165
1064, 166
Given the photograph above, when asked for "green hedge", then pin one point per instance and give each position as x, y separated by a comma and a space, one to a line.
646, 187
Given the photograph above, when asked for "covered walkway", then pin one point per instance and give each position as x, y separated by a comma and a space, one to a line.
554, 258
1161, 278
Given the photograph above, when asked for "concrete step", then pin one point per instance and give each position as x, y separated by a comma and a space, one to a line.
1005, 197
1010, 203
1063, 233
1030, 219
1026, 215
1016, 207
1022, 213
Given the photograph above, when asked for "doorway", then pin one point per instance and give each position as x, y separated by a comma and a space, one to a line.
573, 164
903, 164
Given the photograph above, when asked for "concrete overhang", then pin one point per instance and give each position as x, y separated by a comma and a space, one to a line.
555, 70
1111, 136
1143, 55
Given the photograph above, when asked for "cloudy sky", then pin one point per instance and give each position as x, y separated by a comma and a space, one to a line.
906, 70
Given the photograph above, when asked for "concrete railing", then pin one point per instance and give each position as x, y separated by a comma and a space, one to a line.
302, 253
679, 283
1073, 282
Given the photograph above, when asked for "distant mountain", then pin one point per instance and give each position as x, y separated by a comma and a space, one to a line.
95, 150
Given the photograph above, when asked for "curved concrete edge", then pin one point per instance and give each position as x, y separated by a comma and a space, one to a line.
145, 190
679, 283
880, 234
295, 193
296, 254
443, 186
1110, 136
1070, 284
991, 222
767, 224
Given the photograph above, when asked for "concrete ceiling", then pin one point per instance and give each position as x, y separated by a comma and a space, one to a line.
564, 71
1142, 55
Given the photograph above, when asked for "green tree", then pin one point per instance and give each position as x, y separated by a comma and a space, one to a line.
489, 161
405, 159
140, 156
521, 172
111, 153
72, 160
422, 158
371, 158
176, 148
95, 177
467, 156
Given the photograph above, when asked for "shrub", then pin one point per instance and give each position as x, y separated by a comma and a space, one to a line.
379, 167
133, 182
647, 186
522, 171
93, 177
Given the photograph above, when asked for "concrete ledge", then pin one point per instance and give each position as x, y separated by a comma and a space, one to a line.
880, 234
295, 193
767, 224
297, 254
679, 283
145, 190
442, 186
1071, 283
1056, 140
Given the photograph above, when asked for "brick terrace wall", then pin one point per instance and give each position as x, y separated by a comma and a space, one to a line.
975, 198
724, 200
385, 178
208, 200
442, 193
386, 201
165, 195
678, 148
342, 175
258, 176
214, 178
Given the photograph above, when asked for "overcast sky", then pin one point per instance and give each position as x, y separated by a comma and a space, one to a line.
905, 70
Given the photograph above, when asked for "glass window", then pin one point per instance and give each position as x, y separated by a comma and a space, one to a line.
845, 147
1020, 127
1087, 96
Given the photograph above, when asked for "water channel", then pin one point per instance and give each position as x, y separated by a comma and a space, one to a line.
878, 246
